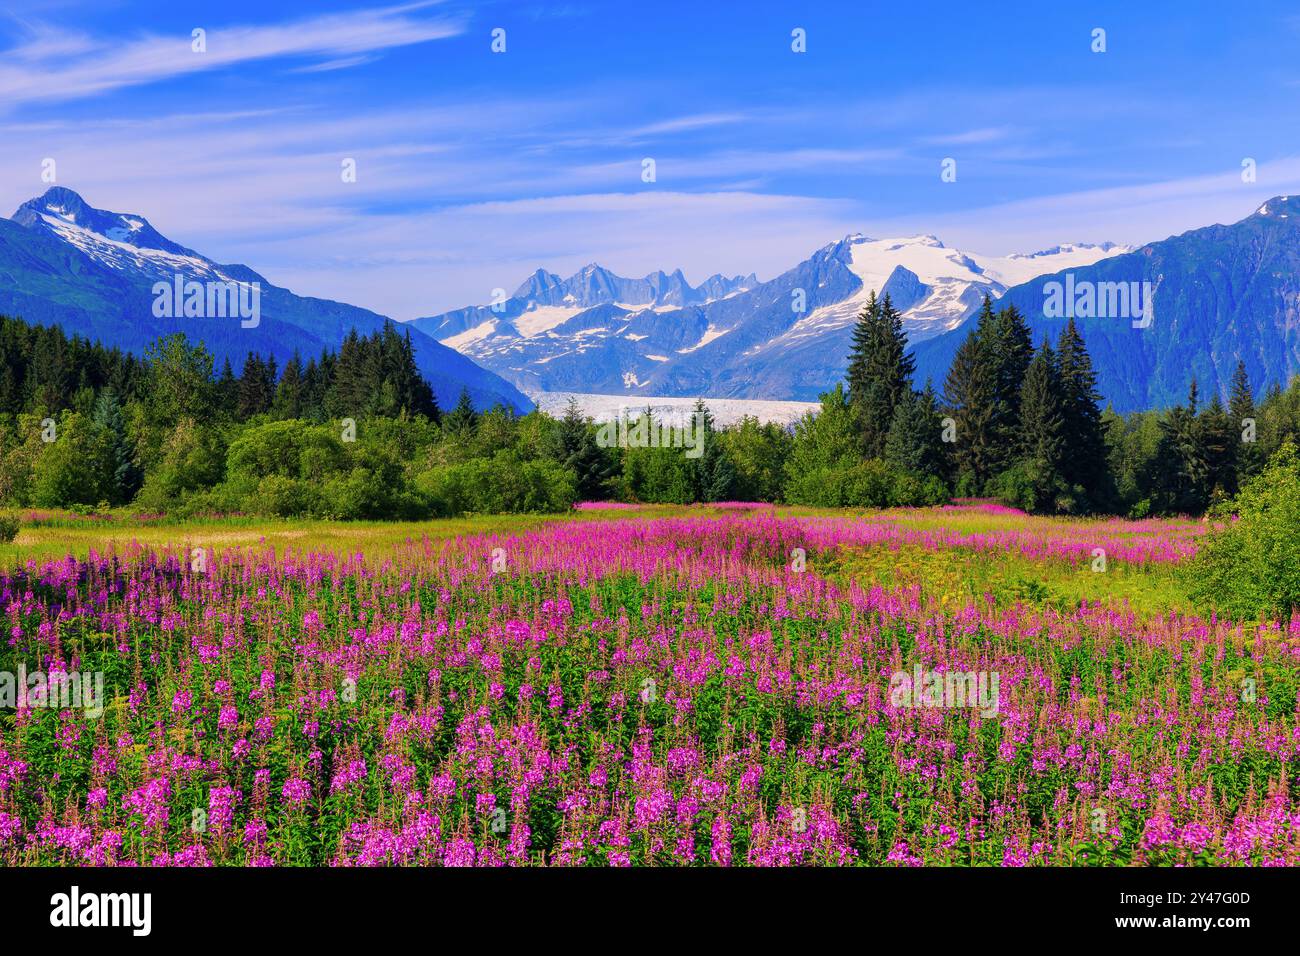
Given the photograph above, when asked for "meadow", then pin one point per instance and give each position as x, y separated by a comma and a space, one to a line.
728, 684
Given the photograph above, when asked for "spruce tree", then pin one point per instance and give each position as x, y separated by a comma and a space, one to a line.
288, 401
1012, 350
227, 391
1241, 412
1084, 464
256, 386
461, 422
1040, 434
970, 398
592, 465
1217, 439
880, 371
1181, 481
857, 376
915, 439
711, 475
125, 476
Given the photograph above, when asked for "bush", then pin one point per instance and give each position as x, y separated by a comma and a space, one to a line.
502, 484
286, 497
1252, 567
867, 484
9, 527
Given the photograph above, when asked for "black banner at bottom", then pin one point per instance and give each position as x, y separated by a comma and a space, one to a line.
333, 906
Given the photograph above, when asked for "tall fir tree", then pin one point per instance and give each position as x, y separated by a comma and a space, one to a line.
593, 466
915, 439
880, 371
1180, 485
125, 476
288, 401
710, 475
970, 393
256, 386
1241, 411
1084, 465
1011, 349
1041, 432
227, 391
1217, 440
462, 421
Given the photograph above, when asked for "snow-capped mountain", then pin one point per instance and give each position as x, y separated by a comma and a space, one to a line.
735, 338
92, 272
1219, 293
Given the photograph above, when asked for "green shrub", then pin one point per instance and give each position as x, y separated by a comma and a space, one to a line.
866, 484
286, 497
501, 484
1252, 566
9, 527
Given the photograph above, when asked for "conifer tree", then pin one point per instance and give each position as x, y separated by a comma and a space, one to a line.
227, 391
880, 371
1084, 464
256, 386
1181, 459
125, 476
1012, 349
915, 439
1217, 440
1241, 412
288, 401
711, 475
970, 397
1041, 439
592, 465
461, 422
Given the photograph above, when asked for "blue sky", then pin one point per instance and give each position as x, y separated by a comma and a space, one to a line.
475, 168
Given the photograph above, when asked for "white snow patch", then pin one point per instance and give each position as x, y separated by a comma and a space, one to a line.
710, 334
543, 318
470, 336
725, 411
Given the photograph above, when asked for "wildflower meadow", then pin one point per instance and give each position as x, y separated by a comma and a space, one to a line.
705, 686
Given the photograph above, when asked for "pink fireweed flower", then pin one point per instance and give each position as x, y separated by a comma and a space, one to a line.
296, 791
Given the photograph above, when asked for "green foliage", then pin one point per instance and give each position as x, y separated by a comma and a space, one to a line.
971, 399
758, 453
1252, 567
76, 468
191, 458
504, 483
915, 439
879, 372
9, 527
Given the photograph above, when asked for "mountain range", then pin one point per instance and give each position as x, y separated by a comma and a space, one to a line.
1219, 294
785, 339
93, 273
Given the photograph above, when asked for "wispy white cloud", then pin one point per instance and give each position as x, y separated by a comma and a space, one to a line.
1133, 214
62, 68
683, 124
986, 134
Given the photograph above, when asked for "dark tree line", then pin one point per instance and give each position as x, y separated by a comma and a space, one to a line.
43, 371
1026, 425
169, 432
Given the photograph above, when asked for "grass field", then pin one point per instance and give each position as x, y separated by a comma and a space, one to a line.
716, 685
